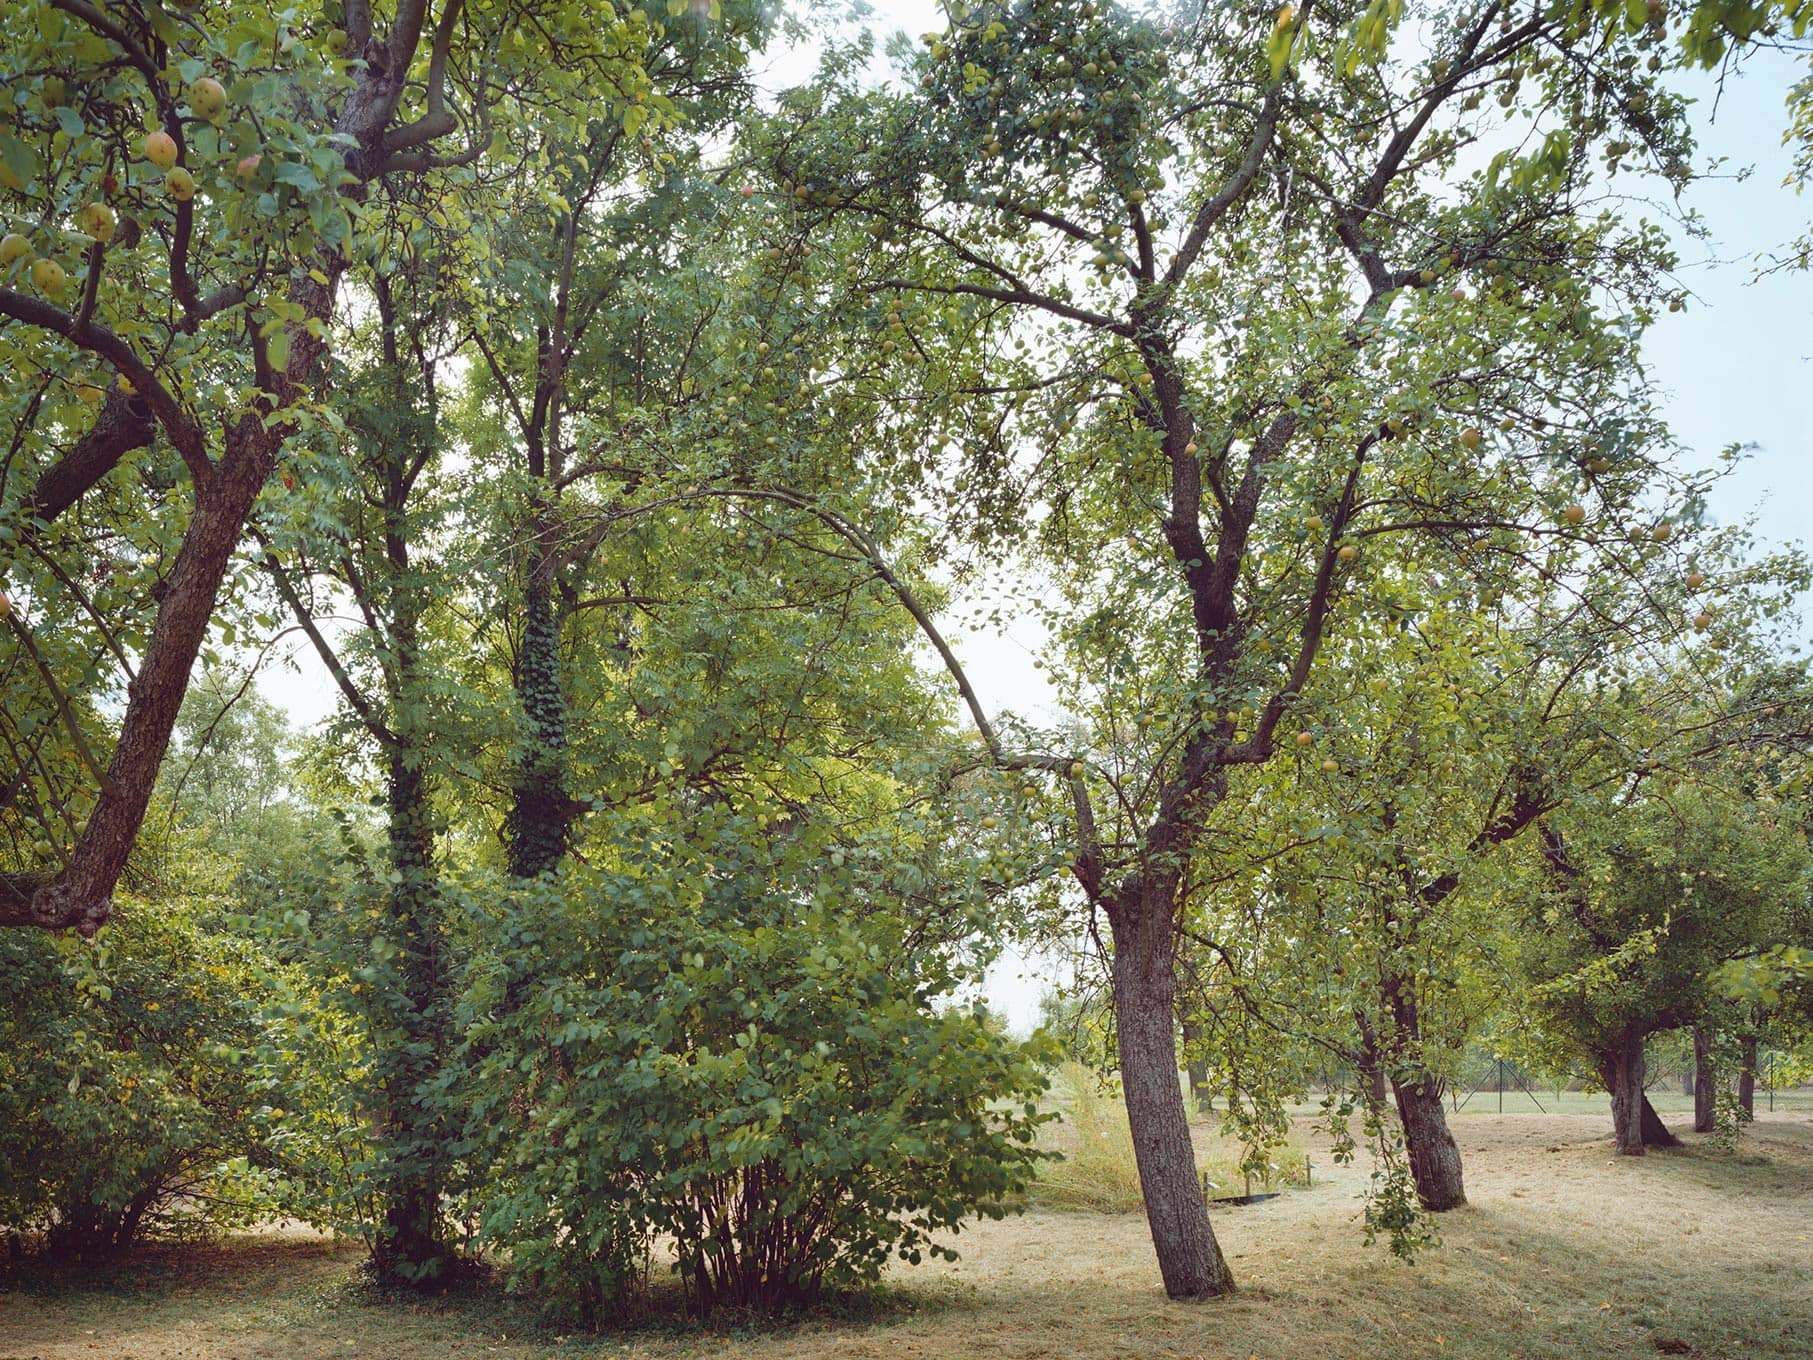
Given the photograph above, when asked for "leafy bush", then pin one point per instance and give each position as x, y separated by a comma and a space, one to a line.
774, 1087
131, 1099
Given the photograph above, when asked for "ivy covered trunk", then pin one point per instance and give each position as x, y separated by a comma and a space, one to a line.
1145, 997
412, 1165
541, 810
1435, 1163
1705, 1090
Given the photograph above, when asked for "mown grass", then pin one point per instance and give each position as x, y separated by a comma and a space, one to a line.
1565, 1252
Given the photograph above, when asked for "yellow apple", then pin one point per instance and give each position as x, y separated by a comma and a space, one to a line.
1702, 621
160, 149
180, 184
1576, 514
1313, 524
1304, 738
1694, 580
47, 277
13, 247
1470, 438
96, 220
1348, 552
207, 99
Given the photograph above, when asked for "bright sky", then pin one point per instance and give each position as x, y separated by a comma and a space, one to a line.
1738, 367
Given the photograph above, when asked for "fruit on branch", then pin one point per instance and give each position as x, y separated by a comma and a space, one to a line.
207, 99
160, 149
48, 278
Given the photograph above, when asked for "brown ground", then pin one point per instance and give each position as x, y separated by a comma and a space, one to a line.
1565, 1251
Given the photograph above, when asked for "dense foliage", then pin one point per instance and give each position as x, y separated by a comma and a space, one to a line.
615, 434
761, 1075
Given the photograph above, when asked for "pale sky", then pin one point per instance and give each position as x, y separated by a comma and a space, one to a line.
1737, 365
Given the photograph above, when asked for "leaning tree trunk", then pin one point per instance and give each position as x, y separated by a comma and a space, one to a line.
1746, 1078
1434, 1157
1705, 1091
1621, 1069
1145, 994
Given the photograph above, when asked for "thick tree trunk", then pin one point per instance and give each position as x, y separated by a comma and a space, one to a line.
1145, 990
1746, 1077
1434, 1158
1705, 1091
1621, 1069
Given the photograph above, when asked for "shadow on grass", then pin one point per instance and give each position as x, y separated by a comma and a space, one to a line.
249, 1263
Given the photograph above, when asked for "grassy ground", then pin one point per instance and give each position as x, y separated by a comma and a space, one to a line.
1565, 1251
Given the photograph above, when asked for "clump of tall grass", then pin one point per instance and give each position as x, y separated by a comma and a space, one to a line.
1096, 1169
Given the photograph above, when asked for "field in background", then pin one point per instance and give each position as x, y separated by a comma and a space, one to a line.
1565, 1253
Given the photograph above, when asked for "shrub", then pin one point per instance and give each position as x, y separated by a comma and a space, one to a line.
130, 1099
777, 1089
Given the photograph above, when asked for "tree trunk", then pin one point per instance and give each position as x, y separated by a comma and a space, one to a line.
82, 895
1145, 990
1705, 1092
1434, 1158
1746, 1078
1621, 1069
1655, 1133
541, 810
1371, 1064
411, 1166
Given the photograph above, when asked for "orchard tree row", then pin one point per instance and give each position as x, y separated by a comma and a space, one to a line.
612, 433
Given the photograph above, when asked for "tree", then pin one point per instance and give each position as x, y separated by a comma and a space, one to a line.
1212, 337
226, 168
1640, 901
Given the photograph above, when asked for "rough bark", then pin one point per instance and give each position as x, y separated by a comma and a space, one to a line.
1621, 1070
1145, 985
1435, 1163
82, 895
1705, 1090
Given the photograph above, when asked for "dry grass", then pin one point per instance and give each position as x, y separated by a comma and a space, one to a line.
1565, 1251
